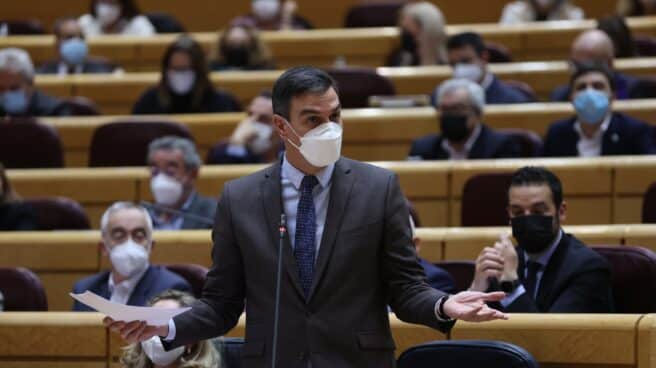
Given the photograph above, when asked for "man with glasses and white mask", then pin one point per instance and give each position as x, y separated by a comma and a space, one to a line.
126, 239
174, 166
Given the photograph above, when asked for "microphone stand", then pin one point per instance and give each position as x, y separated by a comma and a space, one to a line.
204, 220
276, 315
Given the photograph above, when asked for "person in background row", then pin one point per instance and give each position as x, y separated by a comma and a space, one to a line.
14, 214
596, 130
184, 86
636, 8
151, 353
423, 36
461, 104
469, 57
273, 15
73, 52
550, 271
18, 95
120, 17
254, 140
522, 11
620, 33
174, 165
241, 48
127, 240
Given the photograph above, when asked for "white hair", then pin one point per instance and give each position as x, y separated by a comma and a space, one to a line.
119, 206
17, 60
474, 91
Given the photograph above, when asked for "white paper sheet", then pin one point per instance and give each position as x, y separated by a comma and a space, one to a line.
128, 313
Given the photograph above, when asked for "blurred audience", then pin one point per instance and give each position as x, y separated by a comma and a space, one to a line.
120, 17
73, 52
19, 96
151, 353
273, 15
423, 36
596, 130
469, 58
174, 166
461, 105
550, 271
522, 11
636, 8
15, 215
620, 33
127, 240
184, 86
241, 48
254, 140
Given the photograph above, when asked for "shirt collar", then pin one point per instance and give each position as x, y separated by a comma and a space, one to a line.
602, 128
468, 144
544, 257
295, 176
128, 284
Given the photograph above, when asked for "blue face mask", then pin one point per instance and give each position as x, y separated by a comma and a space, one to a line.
73, 51
591, 106
14, 102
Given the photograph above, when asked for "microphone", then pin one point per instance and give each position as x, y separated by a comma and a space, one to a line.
191, 216
276, 314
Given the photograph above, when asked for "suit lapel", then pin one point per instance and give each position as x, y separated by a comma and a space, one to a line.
611, 138
341, 185
141, 291
550, 277
271, 191
188, 223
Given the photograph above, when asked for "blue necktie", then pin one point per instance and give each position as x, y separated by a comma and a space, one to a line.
304, 246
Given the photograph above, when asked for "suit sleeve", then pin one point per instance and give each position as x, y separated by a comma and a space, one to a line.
549, 141
222, 301
411, 298
642, 140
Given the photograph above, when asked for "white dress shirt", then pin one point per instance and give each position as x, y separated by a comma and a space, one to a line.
121, 292
591, 146
464, 153
137, 26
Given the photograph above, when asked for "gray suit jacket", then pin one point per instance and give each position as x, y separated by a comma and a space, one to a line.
366, 262
202, 207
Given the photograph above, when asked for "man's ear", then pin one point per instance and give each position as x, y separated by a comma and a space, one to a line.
193, 173
280, 125
102, 249
562, 212
485, 55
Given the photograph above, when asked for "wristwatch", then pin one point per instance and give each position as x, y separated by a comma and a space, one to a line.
509, 286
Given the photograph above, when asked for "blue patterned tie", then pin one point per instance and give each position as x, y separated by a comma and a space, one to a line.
304, 246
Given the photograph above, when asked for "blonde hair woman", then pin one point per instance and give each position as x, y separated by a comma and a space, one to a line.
151, 354
423, 36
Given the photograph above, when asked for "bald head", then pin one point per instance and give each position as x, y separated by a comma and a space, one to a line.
593, 46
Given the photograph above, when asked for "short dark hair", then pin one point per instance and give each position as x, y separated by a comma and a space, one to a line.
581, 69
298, 81
129, 9
467, 39
532, 175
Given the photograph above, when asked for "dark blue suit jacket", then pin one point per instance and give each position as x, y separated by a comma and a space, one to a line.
156, 280
489, 144
624, 136
437, 277
501, 93
626, 87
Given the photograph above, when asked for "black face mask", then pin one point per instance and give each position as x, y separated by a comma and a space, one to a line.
454, 127
236, 55
534, 233
408, 42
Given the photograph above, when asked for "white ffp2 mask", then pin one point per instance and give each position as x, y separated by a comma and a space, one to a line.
181, 81
472, 71
107, 13
322, 145
165, 189
155, 351
262, 141
129, 258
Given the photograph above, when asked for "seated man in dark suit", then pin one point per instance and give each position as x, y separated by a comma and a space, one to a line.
596, 130
550, 271
127, 231
253, 141
18, 95
469, 57
461, 103
174, 166
73, 52
595, 47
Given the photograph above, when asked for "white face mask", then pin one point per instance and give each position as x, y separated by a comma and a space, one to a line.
262, 141
107, 13
472, 71
181, 82
155, 351
129, 258
322, 145
265, 9
166, 190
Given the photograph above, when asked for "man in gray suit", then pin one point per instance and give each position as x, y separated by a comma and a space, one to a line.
348, 254
174, 165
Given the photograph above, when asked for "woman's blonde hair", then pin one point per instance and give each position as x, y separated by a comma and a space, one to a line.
201, 355
258, 55
433, 30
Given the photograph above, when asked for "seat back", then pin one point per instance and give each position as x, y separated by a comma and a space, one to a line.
23, 27
230, 350
497, 52
373, 14
484, 200
634, 277
466, 354
529, 142
193, 273
461, 271
26, 143
125, 143
22, 290
645, 45
523, 87
165, 23
649, 201
59, 213
356, 85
